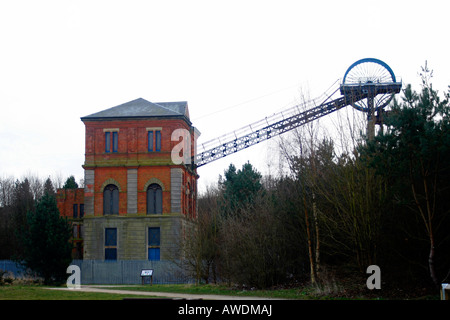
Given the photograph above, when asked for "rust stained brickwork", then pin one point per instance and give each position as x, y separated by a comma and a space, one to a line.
70, 204
132, 153
117, 154
65, 200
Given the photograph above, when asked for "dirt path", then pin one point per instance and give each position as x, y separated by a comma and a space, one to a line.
162, 294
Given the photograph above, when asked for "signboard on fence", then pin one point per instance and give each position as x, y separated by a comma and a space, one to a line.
146, 272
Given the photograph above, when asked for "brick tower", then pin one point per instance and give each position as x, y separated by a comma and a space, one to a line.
135, 196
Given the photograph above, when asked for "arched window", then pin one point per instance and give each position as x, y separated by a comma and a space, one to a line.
111, 199
154, 199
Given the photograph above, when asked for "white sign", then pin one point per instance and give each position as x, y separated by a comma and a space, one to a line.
146, 273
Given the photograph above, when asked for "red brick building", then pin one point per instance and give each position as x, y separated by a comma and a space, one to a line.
71, 205
135, 199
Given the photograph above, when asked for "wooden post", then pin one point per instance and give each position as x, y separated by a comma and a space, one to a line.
145, 273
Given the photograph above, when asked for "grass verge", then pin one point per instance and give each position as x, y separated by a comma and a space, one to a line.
39, 292
207, 289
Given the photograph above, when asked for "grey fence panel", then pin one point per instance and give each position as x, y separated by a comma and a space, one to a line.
129, 271
114, 272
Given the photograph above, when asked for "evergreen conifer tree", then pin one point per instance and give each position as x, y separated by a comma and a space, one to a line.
47, 250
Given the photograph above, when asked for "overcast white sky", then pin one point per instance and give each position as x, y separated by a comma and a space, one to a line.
235, 62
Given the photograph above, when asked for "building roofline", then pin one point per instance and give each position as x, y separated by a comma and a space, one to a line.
142, 109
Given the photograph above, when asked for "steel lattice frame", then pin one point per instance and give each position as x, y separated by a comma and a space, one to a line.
351, 95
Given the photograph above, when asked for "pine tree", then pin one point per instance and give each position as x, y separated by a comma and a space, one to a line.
70, 183
239, 187
47, 250
48, 187
413, 155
